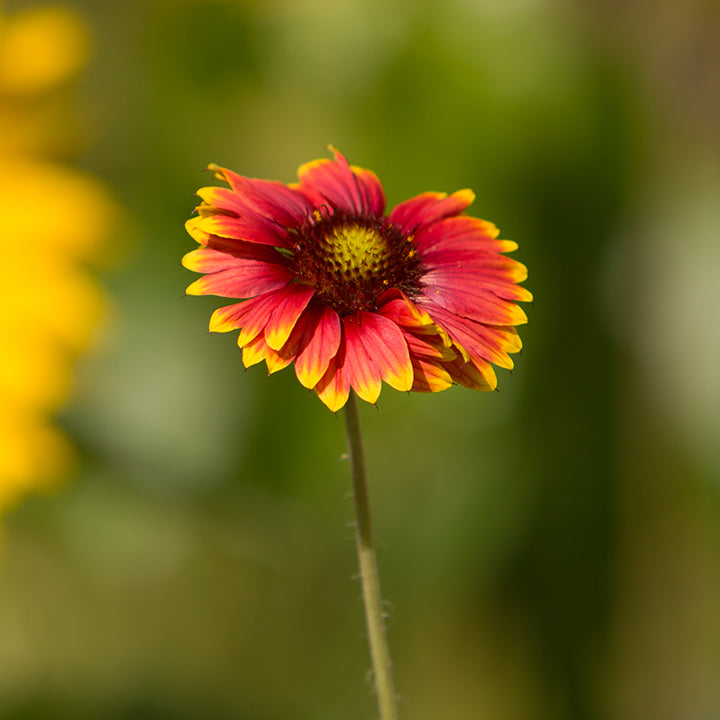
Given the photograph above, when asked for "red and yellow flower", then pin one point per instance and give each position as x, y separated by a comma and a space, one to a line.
420, 298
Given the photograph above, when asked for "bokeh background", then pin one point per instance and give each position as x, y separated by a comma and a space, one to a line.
175, 538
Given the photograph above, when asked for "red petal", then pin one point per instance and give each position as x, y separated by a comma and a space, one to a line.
232, 245
461, 232
210, 260
253, 315
230, 317
430, 347
341, 186
430, 377
396, 306
429, 208
474, 282
268, 198
321, 341
333, 388
258, 350
480, 341
362, 373
302, 331
250, 228
385, 344
407, 314
463, 294
490, 265
245, 279
286, 314
471, 376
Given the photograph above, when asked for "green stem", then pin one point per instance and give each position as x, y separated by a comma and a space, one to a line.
374, 618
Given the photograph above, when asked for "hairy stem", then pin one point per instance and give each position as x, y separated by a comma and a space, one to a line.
374, 618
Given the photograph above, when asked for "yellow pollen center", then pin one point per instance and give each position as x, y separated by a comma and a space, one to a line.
356, 251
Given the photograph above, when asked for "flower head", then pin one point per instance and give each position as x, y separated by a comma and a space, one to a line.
420, 298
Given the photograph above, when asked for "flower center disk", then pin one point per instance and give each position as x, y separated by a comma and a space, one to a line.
351, 260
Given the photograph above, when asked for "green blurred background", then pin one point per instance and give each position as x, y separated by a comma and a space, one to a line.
548, 552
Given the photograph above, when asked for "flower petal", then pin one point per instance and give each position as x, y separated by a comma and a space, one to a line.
229, 317
397, 306
494, 275
490, 266
471, 376
462, 232
429, 347
430, 377
463, 293
348, 188
385, 344
258, 350
244, 279
256, 318
195, 233
362, 373
250, 316
268, 198
491, 344
232, 245
429, 208
250, 228
333, 387
286, 314
323, 340
210, 260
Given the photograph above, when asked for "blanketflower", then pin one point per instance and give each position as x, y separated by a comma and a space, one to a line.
421, 298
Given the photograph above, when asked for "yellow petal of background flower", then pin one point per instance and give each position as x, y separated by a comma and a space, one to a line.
40, 48
55, 223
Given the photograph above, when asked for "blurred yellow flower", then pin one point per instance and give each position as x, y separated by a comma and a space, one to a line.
55, 220
40, 48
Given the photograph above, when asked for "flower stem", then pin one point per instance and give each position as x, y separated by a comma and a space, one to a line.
374, 618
